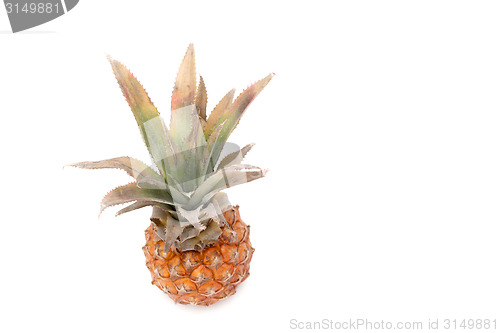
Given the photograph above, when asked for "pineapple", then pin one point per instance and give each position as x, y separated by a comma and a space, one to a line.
197, 247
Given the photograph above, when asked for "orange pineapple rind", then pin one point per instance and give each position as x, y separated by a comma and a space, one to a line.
201, 277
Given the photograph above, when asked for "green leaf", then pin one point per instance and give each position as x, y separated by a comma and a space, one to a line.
131, 192
195, 148
218, 111
172, 230
133, 167
206, 237
225, 178
235, 157
209, 160
211, 233
153, 130
145, 203
183, 98
201, 99
167, 227
233, 114
185, 83
182, 124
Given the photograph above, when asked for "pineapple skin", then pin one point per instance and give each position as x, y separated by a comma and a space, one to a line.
202, 277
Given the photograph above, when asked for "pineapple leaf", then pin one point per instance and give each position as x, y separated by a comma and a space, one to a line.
179, 197
233, 114
195, 145
235, 157
181, 124
212, 139
209, 162
188, 232
185, 83
131, 192
153, 131
172, 230
210, 234
218, 111
190, 244
159, 216
213, 211
183, 98
152, 183
206, 237
201, 99
225, 178
133, 167
168, 228
145, 203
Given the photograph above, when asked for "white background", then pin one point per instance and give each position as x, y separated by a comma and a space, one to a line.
381, 130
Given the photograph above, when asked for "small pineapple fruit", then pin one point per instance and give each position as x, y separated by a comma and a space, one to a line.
197, 247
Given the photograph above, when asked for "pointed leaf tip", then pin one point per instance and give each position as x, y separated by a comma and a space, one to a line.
185, 83
154, 133
235, 157
233, 113
131, 192
201, 99
215, 117
135, 94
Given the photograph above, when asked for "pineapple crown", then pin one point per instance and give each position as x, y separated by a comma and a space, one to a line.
187, 175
